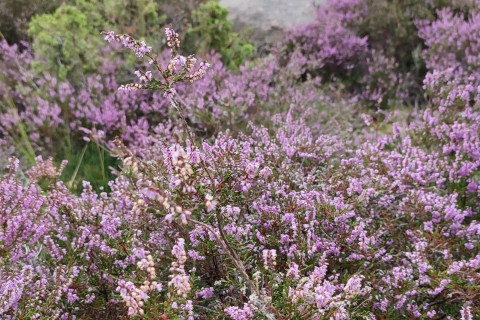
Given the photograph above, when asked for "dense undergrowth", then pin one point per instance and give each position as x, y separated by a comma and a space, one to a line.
336, 178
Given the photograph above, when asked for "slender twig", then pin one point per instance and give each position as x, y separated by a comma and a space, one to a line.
190, 135
72, 179
226, 247
222, 239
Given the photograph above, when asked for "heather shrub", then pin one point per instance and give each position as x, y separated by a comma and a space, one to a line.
309, 217
432, 193
258, 193
390, 26
328, 43
452, 41
373, 47
333, 49
51, 109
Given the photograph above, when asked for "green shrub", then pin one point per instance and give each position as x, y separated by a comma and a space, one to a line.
68, 40
67, 43
211, 30
139, 18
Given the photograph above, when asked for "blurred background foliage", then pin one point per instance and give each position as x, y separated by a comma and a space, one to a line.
65, 35
65, 40
211, 30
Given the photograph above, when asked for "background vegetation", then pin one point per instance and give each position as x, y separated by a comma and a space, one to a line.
337, 177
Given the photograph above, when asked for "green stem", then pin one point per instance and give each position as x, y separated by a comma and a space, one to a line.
70, 182
102, 160
27, 149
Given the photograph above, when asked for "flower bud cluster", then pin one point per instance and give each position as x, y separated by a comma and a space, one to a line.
130, 164
133, 297
144, 77
147, 264
174, 63
172, 38
140, 48
269, 259
45, 169
139, 207
181, 176
131, 87
191, 60
178, 69
353, 287
165, 201
182, 168
180, 281
210, 204
200, 73
174, 211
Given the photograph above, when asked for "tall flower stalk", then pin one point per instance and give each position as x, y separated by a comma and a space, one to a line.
179, 69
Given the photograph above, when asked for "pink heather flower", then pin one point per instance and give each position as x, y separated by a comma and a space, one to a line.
143, 49
466, 312
210, 204
265, 172
293, 272
205, 293
353, 287
144, 77
269, 257
179, 279
324, 294
109, 36
180, 61
169, 32
178, 251
200, 73
130, 87
236, 313
148, 75
93, 134
367, 119
139, 48
170, 93
190, 63
172, 38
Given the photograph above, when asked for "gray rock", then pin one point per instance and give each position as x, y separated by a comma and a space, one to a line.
271, 14
269, 17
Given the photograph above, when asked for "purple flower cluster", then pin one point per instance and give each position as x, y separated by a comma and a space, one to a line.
341, 47
452, 42
47, 107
